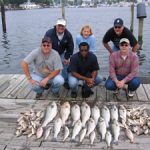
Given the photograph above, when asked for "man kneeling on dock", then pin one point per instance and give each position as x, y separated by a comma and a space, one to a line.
47, 64
123, 69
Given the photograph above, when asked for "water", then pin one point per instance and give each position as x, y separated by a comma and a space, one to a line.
26, 28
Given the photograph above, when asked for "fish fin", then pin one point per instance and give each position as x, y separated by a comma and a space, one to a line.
115, 142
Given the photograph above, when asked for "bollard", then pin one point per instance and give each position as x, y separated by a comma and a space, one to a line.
63, 9
3, 16
132, 18
141, 14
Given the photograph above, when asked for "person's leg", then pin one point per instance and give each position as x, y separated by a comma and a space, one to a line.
110, 84
98, 80
114, 48
73, 83
36, 87
133, 84
57, 82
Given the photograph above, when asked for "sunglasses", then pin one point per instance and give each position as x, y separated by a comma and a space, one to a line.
117, 27
122, 44
46, 45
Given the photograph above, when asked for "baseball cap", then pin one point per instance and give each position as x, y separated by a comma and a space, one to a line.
61, 21
125, 40
46, 39
118, 22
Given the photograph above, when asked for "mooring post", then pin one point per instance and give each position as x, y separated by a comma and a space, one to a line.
141, 14
132, 17
63, 8
3, 15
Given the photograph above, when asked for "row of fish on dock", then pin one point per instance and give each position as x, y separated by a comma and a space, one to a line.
85, 122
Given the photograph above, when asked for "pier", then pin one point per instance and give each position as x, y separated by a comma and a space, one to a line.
17, 97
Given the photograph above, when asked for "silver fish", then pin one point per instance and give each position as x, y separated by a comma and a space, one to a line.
76, 129
102, 127
50, 114
114, 113
95, 113
90, 126
129, 134
66, 133
82, 134
106, 115
115, 130
85, 113
108, 138
75, 113
92, 137
64, 112
47, 133
122, 114
57, 127
39, 132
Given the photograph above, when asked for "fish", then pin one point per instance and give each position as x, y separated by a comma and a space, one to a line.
75, 113
47, 133
66, 133
122, 114
76, 129
82, 134
102, 127
90, 126
39, 132
115, 131
50, 113
129, 134
146, 131
95, 113
64, 112
85, 113
106, 115
57, 127
114, 113
92, 137
18, 133
108, 138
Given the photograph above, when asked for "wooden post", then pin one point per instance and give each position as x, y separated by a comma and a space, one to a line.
63, 8
140, 32
132, 17
3, 15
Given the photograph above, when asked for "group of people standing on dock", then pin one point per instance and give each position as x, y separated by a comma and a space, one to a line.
56, 64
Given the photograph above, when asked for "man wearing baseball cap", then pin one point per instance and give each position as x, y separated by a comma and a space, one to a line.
117, 32
123, 69
47, 67
62, 42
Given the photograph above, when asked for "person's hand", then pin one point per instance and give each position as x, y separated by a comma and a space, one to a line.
120, 84
32, 81
90, 82
66, 61
44, 82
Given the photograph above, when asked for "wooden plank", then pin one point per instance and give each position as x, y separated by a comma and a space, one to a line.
110, 96
122, 95
147, 90
94, 95
31, 95
63, 92
13, 84
101, 93
141, 94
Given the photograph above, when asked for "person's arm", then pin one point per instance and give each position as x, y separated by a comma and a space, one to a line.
94, 74
135, 48
107, 46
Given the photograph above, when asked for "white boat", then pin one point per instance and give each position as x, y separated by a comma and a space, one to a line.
29, 5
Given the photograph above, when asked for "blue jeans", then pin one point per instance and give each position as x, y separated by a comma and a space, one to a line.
132, 85
74, 82
56, 82
64, 72
114, 48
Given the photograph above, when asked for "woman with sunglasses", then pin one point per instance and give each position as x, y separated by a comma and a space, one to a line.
117, 32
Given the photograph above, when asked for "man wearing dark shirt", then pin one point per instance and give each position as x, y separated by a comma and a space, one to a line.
83, 66
116, 33
62, 42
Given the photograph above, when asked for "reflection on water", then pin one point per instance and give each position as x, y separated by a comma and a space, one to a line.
5, 44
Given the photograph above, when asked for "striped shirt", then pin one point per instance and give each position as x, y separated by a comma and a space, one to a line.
128, 67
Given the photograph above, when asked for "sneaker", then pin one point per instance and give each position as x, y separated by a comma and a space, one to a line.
116, 91
131, 93
56, 95
47, 86
38, 95
73, 94
66, 86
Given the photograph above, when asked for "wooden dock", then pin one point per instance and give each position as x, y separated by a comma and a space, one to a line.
16, 96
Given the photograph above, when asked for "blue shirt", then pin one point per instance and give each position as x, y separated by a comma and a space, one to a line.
90, 40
